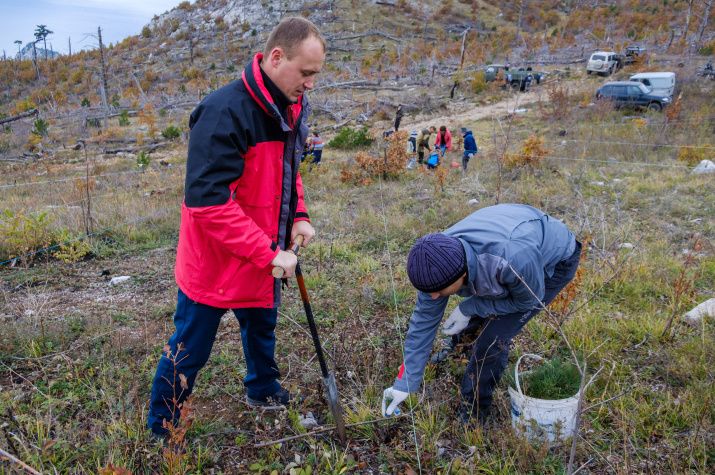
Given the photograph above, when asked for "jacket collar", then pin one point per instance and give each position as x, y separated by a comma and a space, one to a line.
253, 80
471, 257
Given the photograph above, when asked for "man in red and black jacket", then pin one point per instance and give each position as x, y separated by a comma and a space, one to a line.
243, 205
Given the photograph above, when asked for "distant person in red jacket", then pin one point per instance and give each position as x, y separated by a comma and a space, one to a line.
243, 205
443, 140
316, 148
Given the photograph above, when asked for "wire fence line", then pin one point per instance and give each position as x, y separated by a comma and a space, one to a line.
632, 120
80, 177
576, 159
88, 235
68, 205
654, 145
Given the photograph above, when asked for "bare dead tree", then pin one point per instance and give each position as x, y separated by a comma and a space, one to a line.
34, 59
191, 42
519, 6
103, 83
703, 21
572, 5
687, 19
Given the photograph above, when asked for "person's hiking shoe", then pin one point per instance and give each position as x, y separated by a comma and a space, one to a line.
471, 415
444, 352
281, 398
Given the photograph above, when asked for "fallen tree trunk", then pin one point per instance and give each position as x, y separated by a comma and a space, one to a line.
19, 116
340, 85
333, 127
148, 148
87, 120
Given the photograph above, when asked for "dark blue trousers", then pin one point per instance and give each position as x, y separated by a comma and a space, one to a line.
196, 325
491, 348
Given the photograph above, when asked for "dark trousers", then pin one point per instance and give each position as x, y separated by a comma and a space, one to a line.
465, 160
420, 157
196, 326
491, 348
317, 155
397, 124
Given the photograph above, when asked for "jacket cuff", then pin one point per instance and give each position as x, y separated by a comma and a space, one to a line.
302, 216
401, 385
265, 258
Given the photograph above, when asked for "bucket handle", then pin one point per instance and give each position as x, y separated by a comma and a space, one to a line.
516, 370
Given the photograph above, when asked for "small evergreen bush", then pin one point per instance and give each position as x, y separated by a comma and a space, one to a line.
41, 128
171, 133
124, 118
351, 138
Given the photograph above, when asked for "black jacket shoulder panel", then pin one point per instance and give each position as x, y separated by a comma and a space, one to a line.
226, 124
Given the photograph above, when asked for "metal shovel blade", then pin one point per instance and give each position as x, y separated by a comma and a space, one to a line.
331, 392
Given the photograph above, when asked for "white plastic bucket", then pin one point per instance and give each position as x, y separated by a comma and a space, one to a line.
545, 413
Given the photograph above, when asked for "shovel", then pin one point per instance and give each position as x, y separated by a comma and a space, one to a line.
331, 390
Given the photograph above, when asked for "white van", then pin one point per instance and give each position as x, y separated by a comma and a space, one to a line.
658, 82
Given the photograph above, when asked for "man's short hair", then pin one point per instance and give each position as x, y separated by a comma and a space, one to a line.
289, 34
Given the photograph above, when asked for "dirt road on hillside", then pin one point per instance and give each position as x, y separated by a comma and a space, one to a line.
459, 114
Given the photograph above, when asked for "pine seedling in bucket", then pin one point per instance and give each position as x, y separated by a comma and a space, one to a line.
548, 395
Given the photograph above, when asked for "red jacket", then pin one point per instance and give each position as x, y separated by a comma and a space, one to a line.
447, 139
243, 193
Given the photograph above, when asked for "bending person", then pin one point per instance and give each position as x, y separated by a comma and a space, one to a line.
506, 262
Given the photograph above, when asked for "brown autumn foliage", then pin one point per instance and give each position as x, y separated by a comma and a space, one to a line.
390, 166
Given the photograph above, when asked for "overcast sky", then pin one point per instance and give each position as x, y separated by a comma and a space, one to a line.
75, 19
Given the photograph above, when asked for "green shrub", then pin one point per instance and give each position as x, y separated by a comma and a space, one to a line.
706, 50
171, 133
478, 83
124, 118
85, 102
41, 128
351, 138
143, 159
20, 235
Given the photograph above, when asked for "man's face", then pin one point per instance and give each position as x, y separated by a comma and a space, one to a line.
451, 290
294, 76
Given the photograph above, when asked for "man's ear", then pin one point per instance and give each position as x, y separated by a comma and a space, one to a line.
276, 56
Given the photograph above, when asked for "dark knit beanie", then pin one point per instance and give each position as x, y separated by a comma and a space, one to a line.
435, 262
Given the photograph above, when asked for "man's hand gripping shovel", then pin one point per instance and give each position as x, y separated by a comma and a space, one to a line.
331, 390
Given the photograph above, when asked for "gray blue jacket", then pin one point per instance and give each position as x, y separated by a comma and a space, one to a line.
496, 240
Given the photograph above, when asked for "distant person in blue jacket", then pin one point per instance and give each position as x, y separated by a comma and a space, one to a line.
433, 161
506, 262
470, 147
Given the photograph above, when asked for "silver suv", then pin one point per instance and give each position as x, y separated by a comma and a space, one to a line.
604, 62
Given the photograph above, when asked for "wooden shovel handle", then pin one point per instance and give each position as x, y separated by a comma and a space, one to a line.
294, 246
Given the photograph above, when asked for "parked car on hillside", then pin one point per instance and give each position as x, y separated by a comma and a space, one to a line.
518, 78
605, 62
658, 82
632, 94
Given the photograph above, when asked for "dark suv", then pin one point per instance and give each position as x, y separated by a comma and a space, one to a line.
632, 94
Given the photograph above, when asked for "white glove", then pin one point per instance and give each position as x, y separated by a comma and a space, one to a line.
471, 155
394, 395
456, 322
